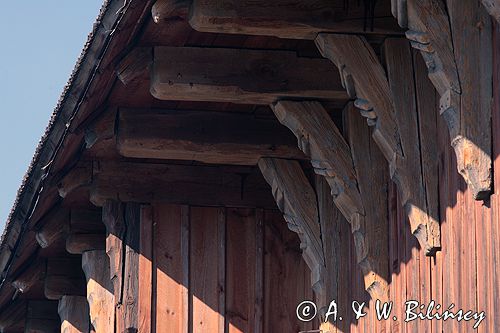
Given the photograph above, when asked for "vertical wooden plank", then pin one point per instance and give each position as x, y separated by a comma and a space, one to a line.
241, 265
221, 276
259, 271
100, 295
169, 269
145, 290
185, 250
206, 289
329, 217
74, 314
396, 262
286, 277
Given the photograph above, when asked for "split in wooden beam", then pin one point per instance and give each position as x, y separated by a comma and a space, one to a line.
296, 199
279, 18
493, 8
360, 66
123, 249
457, 50
240, 76
100, 296
332, 158
210, 137
74, 314
181, 184
64, 277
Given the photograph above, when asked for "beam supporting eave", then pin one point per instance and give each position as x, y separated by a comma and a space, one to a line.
332, 158
493, 8
456, 44
297, 201
366, 80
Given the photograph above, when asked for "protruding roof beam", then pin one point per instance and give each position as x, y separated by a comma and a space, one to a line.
359, 64
210, 137
278, 18
240, 76
454, 42
297, 201
332, 158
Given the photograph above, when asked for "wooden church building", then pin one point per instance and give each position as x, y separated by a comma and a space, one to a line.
213, 164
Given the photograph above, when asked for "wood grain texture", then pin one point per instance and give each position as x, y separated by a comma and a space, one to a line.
457, 52
358, 62
207, 284
145, 268
74, 314
53, 226
180, 184
418, 135
42, 317
209, 137
332, 158
79, 243
493, 8
100, 294
240, 76
171, 265
64, 276
286, 19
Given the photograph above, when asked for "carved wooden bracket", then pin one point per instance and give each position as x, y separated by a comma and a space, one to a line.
331, 157
365, 76
493, 7
460, 73
296, 199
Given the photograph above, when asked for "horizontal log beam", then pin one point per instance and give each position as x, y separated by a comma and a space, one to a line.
79, 243
53, 226
181, 184
240, 76
31, 276
74, 314
221, 138
493, 8
42, 316
64, 277
280, 18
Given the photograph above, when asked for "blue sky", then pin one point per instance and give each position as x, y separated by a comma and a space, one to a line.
40, 42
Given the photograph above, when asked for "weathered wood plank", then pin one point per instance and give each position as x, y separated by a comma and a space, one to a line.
240, 76
297, 201
100, 294
86, 221
165, 9
170, 263
358, 62
329, 216
145, 287
79, 176
286, 19
222, 137
371, 230
241, 265
207, 288
417, 135
13, 315
180, 184
74, 314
